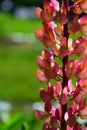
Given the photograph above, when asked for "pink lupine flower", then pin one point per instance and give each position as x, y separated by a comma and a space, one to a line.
60, 48
71, 68
39, 34
40, 114
77, 9
49, 11
47, 42
46, 97
56, 49
83, 113
70, 87
48, 35
62, 18
38, 12
51, 7
80, 46
46, 114
50, 115
41, 62
57, 90
82, 105
83, 5
50, 67
46, 126
70, 43
52, 71
82, 69
55, 122
55, 4
75, 25
69, 90
49, 29
48, 106
41, 76
48, 94
83, 24
63, 99
80, 97
74, 107
83, 127
83, 85
45, 59
70, 118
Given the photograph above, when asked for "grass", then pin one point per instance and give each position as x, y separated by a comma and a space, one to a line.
18, 64
17, 73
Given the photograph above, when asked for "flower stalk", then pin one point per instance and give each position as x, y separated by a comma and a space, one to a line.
64, 61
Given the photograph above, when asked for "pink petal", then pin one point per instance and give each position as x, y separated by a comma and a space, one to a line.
82, 104
46, 126
38, 12
41, 76
47, 42
44, 96
55, 4
83, 6
50, 74
74, 107
54, 122
57, 89
83, 113
63, 99
80, 97
83, 20
40, 115
39, 34
41, 62
71, 120
63, 51
50, 89
75, 28
48, 106
58, 113
83, 127
46, 16
62, 18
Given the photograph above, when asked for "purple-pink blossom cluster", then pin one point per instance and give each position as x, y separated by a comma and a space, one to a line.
56, 36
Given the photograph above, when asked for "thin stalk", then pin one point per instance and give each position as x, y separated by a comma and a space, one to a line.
64, 61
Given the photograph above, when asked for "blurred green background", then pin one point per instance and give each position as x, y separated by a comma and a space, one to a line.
19, 88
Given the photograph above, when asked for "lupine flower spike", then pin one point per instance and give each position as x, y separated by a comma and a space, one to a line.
57, 62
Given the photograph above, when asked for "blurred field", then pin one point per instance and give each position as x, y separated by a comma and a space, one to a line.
17, 73
10, 24
18, 62
18, 83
